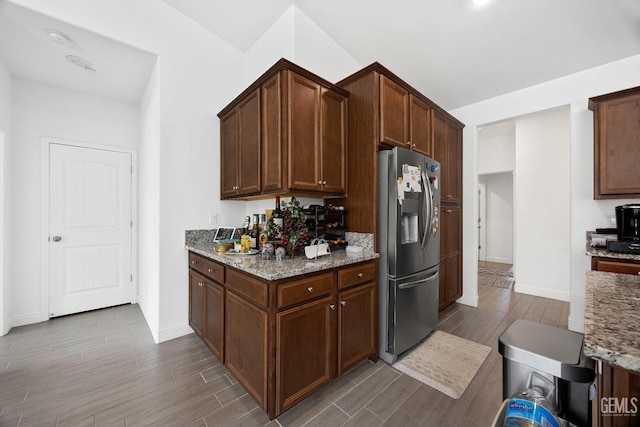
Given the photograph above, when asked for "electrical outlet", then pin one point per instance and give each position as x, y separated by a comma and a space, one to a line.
213, 219
612, 220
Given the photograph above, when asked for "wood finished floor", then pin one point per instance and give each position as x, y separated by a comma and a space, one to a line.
103, 369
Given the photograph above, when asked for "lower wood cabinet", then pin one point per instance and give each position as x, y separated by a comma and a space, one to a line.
206, 303
618, 402
246, 341
450, 285
285, 339
305, 359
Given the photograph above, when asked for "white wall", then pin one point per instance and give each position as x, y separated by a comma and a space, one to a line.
496, 148
585, 213
5, 124
543, 205
40, 110
499, 217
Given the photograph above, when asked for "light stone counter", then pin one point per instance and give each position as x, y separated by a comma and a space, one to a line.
612, 318
288, 267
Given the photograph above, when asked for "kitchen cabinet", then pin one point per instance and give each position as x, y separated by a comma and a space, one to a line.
615, 265
447, 147
404, 118
240, 148
618, 399
385, 112
616, 144
318, 137
206, 302
450, 284
285, 339
291, 125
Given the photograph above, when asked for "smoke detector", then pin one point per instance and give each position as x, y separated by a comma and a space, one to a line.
80, 62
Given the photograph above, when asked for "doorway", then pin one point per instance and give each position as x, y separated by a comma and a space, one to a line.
90, 222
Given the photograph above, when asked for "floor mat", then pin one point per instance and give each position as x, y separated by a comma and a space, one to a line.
444, 362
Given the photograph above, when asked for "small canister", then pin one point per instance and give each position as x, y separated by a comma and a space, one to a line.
245, 242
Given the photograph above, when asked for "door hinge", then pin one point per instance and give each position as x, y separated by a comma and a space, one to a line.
131, 277
131, 169
131, 223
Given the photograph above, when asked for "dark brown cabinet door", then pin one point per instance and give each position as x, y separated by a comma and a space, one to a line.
394, 113
618, 402
357, 325
447, 149
304, 140
229, 154
246, 345
272, 143
420, 126
214, 319
333, 142
196, 302
306, 354
240, 149
450, 285
617, 144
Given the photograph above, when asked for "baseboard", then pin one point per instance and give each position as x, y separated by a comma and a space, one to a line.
576, 325
175, 332
499, 260
471, 301
28, 319
545, 293
152, 322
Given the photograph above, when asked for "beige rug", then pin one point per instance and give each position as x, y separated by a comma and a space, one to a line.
496, 281
444, 362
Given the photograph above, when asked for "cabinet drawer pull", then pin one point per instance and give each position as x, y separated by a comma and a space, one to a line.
209, 270
310, 289
343, 303
332, 306
360, 275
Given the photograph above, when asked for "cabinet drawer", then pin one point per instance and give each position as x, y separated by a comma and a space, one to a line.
205, 266
615, 266
305, 289
357, 274
251, 289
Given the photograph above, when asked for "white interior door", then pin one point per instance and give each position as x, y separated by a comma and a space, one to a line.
90, 226
482, 219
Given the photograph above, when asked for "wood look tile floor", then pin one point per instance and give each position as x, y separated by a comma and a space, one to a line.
102, 368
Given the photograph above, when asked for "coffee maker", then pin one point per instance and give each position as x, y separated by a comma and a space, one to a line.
628, 230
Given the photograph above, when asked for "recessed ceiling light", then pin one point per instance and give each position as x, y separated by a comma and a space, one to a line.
480, 2
58, 37
80, 62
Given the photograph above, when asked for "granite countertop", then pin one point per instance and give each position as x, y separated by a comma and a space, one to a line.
612, 318
288, 267
603, 252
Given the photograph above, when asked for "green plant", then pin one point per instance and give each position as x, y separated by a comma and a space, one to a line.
294, 229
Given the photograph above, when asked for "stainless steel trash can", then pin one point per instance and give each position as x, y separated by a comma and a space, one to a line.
555, 354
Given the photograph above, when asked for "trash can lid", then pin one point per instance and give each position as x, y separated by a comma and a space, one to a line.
541, 346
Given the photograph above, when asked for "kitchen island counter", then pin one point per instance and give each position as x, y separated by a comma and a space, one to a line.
270, 269
612, 319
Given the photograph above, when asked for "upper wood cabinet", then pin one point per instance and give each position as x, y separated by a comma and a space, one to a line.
447, 149
616, 144
289, 133
317, 149
240, 148
404, 118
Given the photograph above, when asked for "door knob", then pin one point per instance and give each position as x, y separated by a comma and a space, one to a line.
56, 238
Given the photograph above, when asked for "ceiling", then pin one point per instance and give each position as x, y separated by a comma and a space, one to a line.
450, 50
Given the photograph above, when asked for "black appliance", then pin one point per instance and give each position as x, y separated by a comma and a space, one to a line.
628, 230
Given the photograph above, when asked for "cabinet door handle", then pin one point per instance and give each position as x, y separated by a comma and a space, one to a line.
209, 270
409, 143
360, 275
413, 145
319, 182
310, 289
194, 262
343, 303
332, 306
324, 182
200, 284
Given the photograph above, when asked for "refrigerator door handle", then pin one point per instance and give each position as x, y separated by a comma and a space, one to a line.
428, 198
417, 282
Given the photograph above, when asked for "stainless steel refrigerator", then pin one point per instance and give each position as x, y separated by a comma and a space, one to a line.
409, 246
